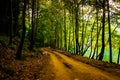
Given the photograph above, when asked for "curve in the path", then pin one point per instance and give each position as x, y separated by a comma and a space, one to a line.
67, 68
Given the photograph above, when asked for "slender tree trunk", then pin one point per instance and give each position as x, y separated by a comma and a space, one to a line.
92, 38
11, 25
96, 45
61, 33
98, 32
109, 29
65, 33
19, 51
37, 19
91, 46
73, 27
69, 45
59, 38
55, 37
103, 32
118, 56
82, 38
33, 26
16, 15
69, 41
76, 28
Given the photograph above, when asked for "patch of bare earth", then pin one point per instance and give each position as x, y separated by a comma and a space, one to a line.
71, 68
111, 68
47, 72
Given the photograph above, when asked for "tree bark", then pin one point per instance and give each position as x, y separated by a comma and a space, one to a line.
16, 15
76, 28
33, 26
82, 38
109, 31
98, 32
11, 24
118, 56
65, 32
19, 51
92, 39
103, 32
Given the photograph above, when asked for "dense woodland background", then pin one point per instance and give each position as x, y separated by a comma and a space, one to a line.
84, 27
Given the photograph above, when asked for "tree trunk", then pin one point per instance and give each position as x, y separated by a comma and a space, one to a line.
92, 39
19, 51
16, 15
11, 25
65, 33
103, 32
76, 28
109, 29
32, 32
97, 32
118, 56
69, 45
73, 30
82, 38
61, 40
96, 45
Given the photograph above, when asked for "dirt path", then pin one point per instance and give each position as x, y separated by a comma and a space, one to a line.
66, 68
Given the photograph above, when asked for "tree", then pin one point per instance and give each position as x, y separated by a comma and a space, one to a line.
14, 13
11, 24
92, 38
77, 27
98, 32
19, 51
33, 26
118, 56
65, 31
103, 32
82, 37
109, 31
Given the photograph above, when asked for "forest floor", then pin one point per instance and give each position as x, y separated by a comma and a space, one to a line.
51, 64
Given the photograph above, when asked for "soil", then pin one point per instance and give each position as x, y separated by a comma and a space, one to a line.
26, 69
66, 67
52, 64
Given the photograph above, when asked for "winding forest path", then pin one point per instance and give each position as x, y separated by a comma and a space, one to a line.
65, 68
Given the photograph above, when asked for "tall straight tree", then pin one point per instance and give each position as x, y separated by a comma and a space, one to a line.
16, 12
96, 44
97, 31
65, 33
103, 32
118, 60
76, 26
33, 26
82, 36
19, 51
11, 24
92, 28
109, 29
73, 27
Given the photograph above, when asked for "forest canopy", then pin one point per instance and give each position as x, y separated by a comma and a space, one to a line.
84, 27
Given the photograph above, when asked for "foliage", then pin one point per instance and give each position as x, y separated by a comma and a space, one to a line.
71, 25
